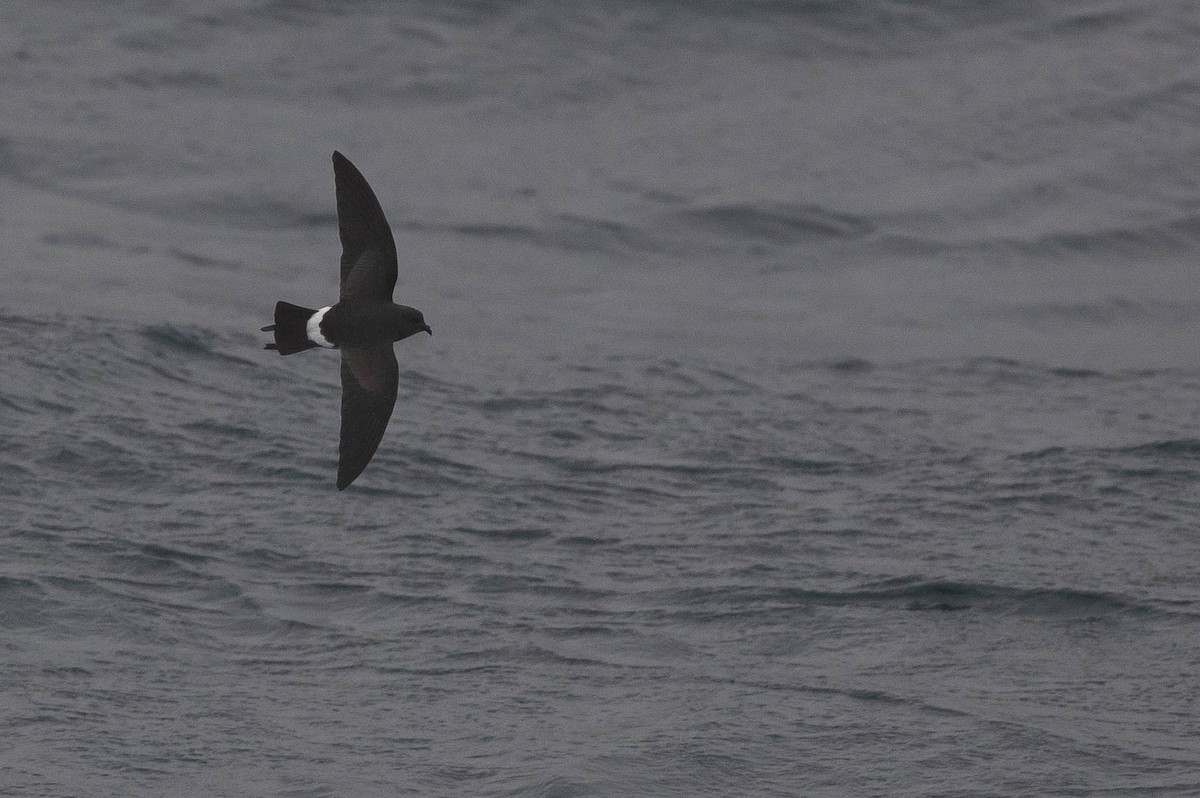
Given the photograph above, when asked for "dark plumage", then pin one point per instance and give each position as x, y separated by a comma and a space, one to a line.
363, 324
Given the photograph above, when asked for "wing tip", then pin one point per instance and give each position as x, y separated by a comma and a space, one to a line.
344, 478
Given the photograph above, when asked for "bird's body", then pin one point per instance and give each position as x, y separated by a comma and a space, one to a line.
363, 324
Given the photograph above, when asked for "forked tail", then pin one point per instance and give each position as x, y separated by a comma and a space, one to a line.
291, 329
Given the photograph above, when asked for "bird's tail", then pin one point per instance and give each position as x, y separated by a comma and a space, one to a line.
291, 329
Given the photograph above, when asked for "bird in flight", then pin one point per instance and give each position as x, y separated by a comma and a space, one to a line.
363, 324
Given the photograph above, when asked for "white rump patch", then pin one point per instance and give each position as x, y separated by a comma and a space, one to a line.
314, 328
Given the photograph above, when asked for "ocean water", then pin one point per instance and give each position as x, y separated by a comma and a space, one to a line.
811, 408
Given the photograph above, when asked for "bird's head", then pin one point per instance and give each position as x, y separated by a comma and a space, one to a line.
410, 321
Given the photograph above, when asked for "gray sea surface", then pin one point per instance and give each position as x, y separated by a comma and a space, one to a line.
811, 410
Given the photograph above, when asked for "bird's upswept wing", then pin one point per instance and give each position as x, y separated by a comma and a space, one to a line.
368, 249
369, 380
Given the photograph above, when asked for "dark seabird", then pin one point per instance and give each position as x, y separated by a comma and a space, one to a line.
363, 324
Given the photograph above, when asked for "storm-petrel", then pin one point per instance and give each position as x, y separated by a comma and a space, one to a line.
363, 324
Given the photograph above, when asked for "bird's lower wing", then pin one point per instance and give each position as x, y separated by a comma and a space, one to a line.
369, 380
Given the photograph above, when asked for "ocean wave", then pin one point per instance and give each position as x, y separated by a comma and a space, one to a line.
564, 232
131, 404
1066, 21
191, 341
802, 465
514, 534
763, 224
1000, 370
1114, 310
1167, 236
922, 595
1171, 235
775, 223
1178, 448
22, 602
147, 78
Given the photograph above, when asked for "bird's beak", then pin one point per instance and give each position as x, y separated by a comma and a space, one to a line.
426, 329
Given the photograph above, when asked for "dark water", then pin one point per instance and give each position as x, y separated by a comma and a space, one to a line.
811, 410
